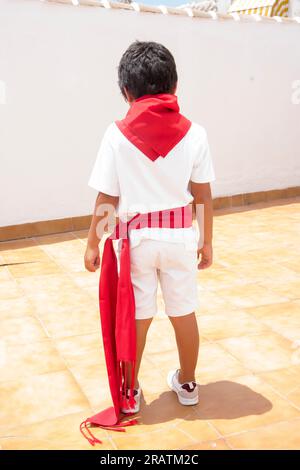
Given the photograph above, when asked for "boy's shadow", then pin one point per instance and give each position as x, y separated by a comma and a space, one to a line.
217, 400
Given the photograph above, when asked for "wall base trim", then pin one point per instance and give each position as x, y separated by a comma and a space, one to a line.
71, 224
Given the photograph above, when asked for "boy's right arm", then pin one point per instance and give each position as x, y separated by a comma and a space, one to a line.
105, 206
202, 174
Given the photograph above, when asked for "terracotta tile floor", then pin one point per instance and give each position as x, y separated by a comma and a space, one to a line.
51, 356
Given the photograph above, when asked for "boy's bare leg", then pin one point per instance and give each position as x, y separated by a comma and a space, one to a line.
142, 327
187, 338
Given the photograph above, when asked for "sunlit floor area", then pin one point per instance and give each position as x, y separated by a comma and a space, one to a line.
52, 370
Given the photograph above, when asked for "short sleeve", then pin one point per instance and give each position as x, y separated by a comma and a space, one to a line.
104, 176
203, 170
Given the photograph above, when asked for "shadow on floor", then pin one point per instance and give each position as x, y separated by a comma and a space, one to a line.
218, 400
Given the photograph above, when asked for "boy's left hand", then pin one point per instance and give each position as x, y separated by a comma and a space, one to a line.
206, 253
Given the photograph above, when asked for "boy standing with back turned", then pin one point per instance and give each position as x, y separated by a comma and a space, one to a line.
156, 162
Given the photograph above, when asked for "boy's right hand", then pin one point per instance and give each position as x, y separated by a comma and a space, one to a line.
92, 258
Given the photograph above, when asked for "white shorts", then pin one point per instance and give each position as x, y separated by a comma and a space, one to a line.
174, 265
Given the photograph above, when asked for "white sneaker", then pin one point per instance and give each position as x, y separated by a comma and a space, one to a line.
137, 400
187, 393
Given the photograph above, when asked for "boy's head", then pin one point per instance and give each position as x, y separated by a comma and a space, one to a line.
146, 68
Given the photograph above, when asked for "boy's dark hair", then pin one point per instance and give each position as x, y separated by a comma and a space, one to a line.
147, 68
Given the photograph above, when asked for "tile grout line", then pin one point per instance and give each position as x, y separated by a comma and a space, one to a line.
257, 428
35, 315
36, 423
284, 397
67, 271
256, 374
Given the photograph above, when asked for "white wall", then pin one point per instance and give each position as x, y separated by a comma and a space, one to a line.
223, 5
59, 66
294, 7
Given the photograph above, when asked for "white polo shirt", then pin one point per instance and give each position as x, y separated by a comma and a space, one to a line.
143, 185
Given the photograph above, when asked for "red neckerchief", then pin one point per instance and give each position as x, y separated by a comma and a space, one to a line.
154, 124
117, 313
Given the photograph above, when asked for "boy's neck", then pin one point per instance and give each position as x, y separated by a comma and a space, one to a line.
132, 100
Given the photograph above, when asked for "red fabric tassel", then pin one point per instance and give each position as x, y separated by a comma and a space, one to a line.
92, 440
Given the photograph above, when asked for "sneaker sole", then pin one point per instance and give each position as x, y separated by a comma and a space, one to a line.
182, 401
